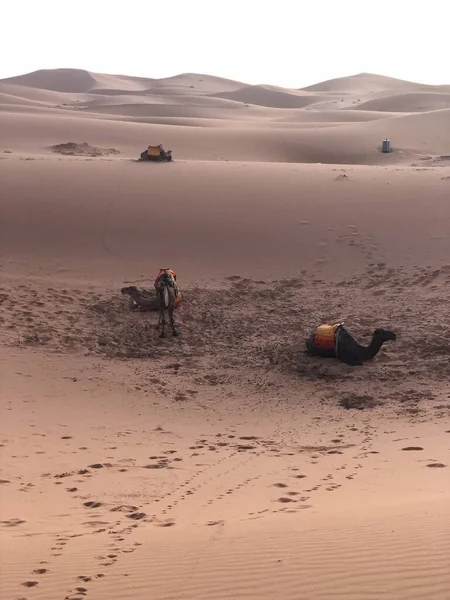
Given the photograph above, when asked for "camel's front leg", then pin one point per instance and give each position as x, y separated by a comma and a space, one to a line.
163, 322
175, 332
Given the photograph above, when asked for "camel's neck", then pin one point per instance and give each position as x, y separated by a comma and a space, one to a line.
368, 352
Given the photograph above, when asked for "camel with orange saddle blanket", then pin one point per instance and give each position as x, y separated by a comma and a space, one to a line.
156, 154
334, 341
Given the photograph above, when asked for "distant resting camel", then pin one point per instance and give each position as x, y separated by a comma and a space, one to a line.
141, 299
163, 301
334, 341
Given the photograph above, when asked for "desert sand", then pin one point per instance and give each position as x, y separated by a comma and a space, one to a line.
223, 464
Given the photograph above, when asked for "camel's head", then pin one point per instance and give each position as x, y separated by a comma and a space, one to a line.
128, 291
384, 335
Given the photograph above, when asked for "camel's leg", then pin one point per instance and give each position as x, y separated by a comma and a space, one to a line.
175, 332
161, 310
351, 359
163, 322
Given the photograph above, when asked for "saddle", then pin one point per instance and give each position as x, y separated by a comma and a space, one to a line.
169, 277
325, 340
154, 150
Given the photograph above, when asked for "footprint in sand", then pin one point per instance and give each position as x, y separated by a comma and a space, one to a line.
78, 594
125, 508
92, 504
167, 524
12, 522
137, 516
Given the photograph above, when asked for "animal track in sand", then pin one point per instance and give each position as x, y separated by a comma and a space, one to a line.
91, 504
96, 524
412, 448
13, 522
126, 508
166, 524
333, 488
436, 465
137, 516
78, 594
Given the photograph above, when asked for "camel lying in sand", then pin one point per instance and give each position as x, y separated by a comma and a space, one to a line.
334, 341
141, 299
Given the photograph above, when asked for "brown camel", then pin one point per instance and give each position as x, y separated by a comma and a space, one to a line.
141, 299
164, 301
165, 290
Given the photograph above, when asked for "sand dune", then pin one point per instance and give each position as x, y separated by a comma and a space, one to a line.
413, 137
41, 95
78, 81
195, 82
264, 96
368, 82
417, 132
208, 118
224, 463
334, 116
407, 103
7, 101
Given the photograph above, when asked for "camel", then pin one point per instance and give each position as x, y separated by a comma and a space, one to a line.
141, 299
166, 293
164, 300
347, 349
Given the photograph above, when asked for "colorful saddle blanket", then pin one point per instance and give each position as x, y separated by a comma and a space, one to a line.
170, 277
327, 337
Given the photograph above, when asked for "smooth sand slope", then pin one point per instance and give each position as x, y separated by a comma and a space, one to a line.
107, 217
223, 464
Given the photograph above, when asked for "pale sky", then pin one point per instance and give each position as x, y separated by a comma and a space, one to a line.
290, 43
